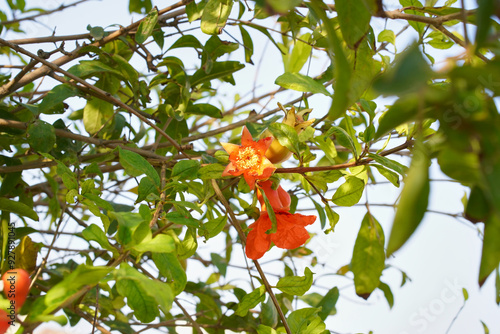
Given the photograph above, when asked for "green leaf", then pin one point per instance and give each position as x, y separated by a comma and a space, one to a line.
41, 136
96, 114
328, 302
251, 300
350, 192
144, 296
146, 26
418, 26
459, 165
170, 267
402, 111
483, 20
387, 293
186, 170
342, 67
204, 109
413, 203
368, 257
301, 83
18, 208
478, 207
333, 218
343, 138
215, 226
263, 329
410, 73
286, 136
247, 44
94, 233
299, 55
306, 320
485, 328
162, 243
354, 20
52, 102
321, 213
387, 36
135, 165
490, 257
219, 70
211, 171
63, 291
177, 217
214, 16
88, 68
187, 41
392, 164
388, 174
497, 285
296, 285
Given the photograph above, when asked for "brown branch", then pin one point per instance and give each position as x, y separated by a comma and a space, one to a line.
44, 70
302, 170
243, 238
102, 94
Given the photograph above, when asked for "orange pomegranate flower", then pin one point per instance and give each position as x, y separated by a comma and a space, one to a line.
290, 232
249, 159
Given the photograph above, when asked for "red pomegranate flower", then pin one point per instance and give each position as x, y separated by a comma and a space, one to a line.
290, 232
249, 159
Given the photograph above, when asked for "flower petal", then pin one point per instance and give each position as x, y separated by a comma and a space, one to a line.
291, 232
258, 241
230, 148
263, 144
231, 170
246, 137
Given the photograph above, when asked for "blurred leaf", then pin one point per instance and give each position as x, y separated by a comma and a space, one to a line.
247, 44
214, 16
96, 114
410, 73
461, 166
354, 20
300, 54
413, 203
477, 208
387, 293
301, 83
388, 174
18, 208
146, 26
41, 136
483, 21
490, 257
368, 257
392, 164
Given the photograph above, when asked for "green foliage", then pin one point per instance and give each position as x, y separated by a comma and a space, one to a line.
111, 169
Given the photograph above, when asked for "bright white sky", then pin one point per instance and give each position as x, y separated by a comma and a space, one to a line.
441, 258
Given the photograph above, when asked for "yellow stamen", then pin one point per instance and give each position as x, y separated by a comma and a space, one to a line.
247, 158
